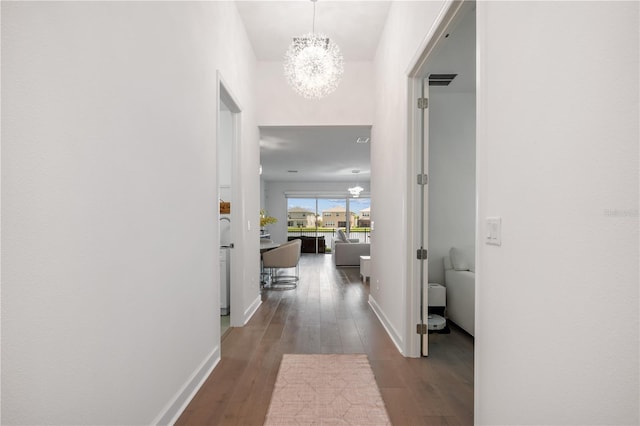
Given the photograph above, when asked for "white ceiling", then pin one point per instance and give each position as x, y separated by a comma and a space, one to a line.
456, 54
330, 153
355, 26
318, 153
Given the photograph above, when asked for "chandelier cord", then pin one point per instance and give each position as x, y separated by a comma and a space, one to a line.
313, 64
313, 26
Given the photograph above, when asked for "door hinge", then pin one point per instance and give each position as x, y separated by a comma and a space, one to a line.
421, 254
423, 103
423, 179
421, 328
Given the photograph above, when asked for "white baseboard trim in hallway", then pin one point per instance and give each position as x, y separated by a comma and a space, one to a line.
391, 331
170, 414
241, 388
248, 313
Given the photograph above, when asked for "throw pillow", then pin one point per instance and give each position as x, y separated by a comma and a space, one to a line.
342, 237
458, 259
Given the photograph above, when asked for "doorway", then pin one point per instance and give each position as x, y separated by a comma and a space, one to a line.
228, 134
442, 84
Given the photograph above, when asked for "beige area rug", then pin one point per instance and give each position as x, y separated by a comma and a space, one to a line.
326, 390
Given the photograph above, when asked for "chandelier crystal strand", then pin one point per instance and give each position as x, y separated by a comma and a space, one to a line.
313, 64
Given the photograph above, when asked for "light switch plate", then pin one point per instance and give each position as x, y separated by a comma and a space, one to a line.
493, 231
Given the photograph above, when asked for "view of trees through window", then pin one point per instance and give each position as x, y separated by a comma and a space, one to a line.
316, 220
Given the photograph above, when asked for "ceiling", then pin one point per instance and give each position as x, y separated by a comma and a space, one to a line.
316, 153
329, 153
456, 54
355, 26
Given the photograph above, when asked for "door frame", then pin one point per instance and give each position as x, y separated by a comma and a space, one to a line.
224, 94
451, 13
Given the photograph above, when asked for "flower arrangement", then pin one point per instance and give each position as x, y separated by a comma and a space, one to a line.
265, 219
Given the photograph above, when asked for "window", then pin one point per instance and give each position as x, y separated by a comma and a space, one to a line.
319, 218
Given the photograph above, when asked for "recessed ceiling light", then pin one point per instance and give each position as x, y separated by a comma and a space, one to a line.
292, 171
363, 140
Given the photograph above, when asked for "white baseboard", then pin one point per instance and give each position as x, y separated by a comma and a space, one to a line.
391, 331
248, 313
170, 414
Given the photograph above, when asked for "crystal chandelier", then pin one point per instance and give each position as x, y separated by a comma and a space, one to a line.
313, 64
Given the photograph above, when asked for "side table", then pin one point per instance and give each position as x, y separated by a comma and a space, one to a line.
365, 268
437, 294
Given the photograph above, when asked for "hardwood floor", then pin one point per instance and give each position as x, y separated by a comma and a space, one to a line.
329, 313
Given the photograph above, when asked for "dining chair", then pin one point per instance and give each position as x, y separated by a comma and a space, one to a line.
283, 257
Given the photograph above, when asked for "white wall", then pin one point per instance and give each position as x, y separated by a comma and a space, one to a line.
276, 202
557, 159
224, 165
452, 170
406, 26
557, 304
263, 200
225, 152
110, 260
350, 104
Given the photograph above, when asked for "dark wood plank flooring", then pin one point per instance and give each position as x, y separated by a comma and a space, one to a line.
329, 313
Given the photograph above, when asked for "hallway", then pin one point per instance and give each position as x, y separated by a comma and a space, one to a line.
329, 313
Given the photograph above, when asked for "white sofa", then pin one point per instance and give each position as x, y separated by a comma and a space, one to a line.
460, 280
347, 252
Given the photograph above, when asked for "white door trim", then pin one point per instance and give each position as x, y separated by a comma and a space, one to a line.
224, 94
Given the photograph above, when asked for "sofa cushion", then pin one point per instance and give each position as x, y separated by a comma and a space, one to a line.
463, 259
349, 254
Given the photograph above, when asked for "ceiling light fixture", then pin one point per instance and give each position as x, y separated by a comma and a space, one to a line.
355, 191
313, 64
362, 140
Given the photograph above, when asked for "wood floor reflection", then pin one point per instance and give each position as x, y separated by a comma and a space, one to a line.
329, 313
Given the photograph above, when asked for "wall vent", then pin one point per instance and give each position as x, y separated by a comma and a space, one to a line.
441, 79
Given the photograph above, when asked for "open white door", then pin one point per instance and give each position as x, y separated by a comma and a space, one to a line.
418, 163
423, 218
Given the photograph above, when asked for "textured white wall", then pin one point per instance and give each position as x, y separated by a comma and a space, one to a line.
452, 175
557, 304
350, 104
406, 26
110, 259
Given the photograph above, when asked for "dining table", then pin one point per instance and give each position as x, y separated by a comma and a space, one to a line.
266, 245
